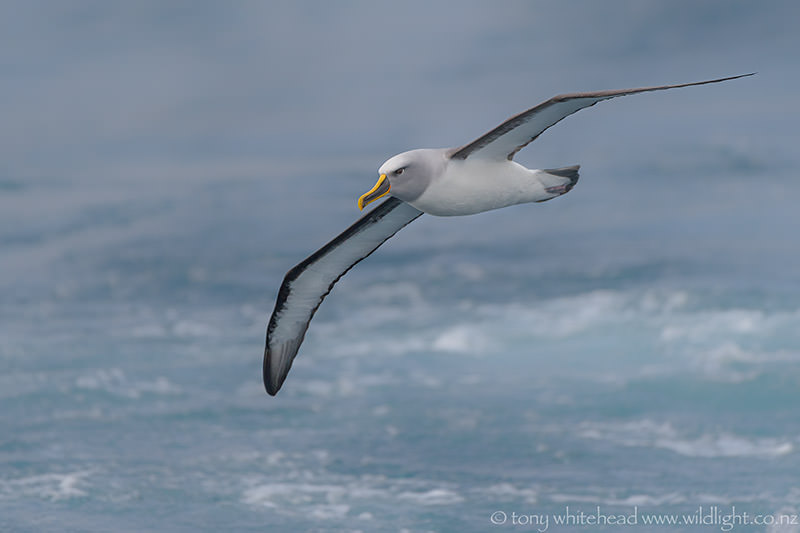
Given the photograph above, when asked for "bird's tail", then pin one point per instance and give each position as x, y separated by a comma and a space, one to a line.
558, 181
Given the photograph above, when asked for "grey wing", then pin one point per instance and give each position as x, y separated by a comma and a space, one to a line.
306, 285
515, 133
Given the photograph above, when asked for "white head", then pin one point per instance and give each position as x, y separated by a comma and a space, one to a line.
406, 175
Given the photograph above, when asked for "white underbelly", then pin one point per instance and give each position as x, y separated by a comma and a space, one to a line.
473, 186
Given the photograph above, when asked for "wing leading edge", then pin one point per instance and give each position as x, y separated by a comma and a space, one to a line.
517, 132
308, 283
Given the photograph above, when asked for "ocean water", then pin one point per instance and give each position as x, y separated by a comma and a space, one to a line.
630, 349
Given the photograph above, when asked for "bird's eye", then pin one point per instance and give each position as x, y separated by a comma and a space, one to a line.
398, 171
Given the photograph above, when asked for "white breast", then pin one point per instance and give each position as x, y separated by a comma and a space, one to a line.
476, 185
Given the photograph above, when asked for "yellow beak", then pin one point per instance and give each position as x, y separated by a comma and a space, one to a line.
380, 190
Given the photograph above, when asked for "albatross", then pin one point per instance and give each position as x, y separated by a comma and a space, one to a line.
476, 177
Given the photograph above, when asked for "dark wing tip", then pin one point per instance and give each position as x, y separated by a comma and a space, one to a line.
271, 385
277, 363
612, 93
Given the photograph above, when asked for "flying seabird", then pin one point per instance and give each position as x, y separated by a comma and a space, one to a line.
473, 178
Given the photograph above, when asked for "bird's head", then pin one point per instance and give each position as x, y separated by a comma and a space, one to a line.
405, 176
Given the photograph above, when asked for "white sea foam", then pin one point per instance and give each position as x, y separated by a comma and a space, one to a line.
702, 325
602, 498
335, 498
675, 335
52, 486
508, 491
462, 338
114, 381
170, 326
192, 328
729, 362
329, 511
355, 347
560, 317
390, 294
650, 434
595, 495
487, 326
432, 497
346, 385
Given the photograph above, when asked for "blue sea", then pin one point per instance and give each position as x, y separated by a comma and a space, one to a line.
624, 354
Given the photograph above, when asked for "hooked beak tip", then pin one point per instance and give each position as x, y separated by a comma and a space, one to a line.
381, 189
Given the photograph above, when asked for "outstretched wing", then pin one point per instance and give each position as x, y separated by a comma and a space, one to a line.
515, 133
307, 284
